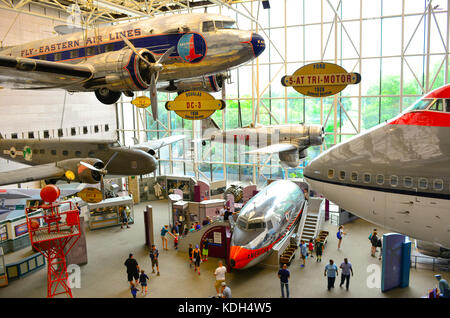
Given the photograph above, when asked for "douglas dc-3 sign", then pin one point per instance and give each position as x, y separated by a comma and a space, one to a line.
320, 79
194, 105
179, 52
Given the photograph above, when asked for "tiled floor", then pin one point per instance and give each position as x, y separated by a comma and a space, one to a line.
105, 274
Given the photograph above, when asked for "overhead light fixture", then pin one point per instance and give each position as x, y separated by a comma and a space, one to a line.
266, 4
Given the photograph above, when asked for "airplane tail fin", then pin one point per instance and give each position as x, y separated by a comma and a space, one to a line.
208, 125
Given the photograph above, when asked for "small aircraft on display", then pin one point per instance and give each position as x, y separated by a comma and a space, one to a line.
184, 50
266, 219
397, 174
290, 141
78, 160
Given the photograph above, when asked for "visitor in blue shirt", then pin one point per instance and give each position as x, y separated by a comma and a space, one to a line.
331, 271
284, 275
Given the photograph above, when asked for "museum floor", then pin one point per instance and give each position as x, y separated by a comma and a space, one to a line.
105, 274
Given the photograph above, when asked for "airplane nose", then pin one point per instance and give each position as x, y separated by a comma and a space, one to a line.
258, 44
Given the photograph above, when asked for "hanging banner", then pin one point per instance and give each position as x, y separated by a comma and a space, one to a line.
195, 105
320, 79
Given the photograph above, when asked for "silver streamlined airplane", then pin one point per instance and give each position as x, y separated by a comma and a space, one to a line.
290, 141
78, 160
186, 50
396, 174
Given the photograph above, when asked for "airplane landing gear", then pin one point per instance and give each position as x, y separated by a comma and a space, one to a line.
106, 96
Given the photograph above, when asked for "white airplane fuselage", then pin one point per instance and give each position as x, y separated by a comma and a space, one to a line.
397, 174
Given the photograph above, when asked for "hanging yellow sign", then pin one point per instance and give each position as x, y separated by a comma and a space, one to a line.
90, 195
141, 102
194, 105
320, 79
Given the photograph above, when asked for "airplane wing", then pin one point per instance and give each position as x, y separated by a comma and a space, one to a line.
272, 149
18, 72
159, 143
46, 171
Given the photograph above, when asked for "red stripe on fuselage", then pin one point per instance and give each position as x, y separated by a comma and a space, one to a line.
423, 118
242, 256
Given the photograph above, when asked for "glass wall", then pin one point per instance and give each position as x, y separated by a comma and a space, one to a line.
399, 47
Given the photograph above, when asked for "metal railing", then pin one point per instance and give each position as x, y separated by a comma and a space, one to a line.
429, 261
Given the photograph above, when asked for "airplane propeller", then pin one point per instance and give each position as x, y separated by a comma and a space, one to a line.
154, 68
102, 171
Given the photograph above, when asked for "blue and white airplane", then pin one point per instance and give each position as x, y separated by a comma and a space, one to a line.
188, 51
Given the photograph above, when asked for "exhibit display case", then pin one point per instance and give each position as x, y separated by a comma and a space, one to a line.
108, 212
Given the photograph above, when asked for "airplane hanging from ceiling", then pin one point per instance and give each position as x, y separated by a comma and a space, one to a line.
78, 160
133, 57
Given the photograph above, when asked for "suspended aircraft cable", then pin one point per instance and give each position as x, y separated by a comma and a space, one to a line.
10, 27
62, 115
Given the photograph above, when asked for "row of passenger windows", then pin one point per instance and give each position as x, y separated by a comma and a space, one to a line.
393, 180
60, 132
73, 54
64, 152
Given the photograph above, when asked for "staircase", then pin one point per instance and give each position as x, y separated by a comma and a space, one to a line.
310, 227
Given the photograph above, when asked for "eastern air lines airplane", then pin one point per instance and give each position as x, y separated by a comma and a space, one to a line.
133, 57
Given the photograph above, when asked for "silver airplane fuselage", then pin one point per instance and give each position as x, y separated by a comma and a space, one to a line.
397, 174
265, 220
201, 48
300, 136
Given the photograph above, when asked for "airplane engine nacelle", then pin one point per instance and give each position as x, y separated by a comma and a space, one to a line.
210, 84
121, 70
289, 159
82, 173
316, 135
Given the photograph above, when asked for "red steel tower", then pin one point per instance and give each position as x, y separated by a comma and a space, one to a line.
53, 234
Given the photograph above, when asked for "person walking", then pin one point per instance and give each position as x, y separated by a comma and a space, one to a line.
226, 291
123, 215
205, 245
196, 257
319, 250
143, 281
331, 271
284, 275
303, 252
133, 290
132, 269
154, 254
220, 276
164, 231
380, 245
374, 242
340, 234
346, 268
311, 248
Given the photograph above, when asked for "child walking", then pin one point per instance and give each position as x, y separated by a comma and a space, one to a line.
311, 248
143, 281
196, 257
134, 290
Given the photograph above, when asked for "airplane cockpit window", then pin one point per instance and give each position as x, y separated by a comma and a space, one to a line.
208, 26
242, 224
437, 106
256, 225
225, 25
419, 105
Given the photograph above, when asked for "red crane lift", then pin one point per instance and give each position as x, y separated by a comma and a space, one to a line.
53, 234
